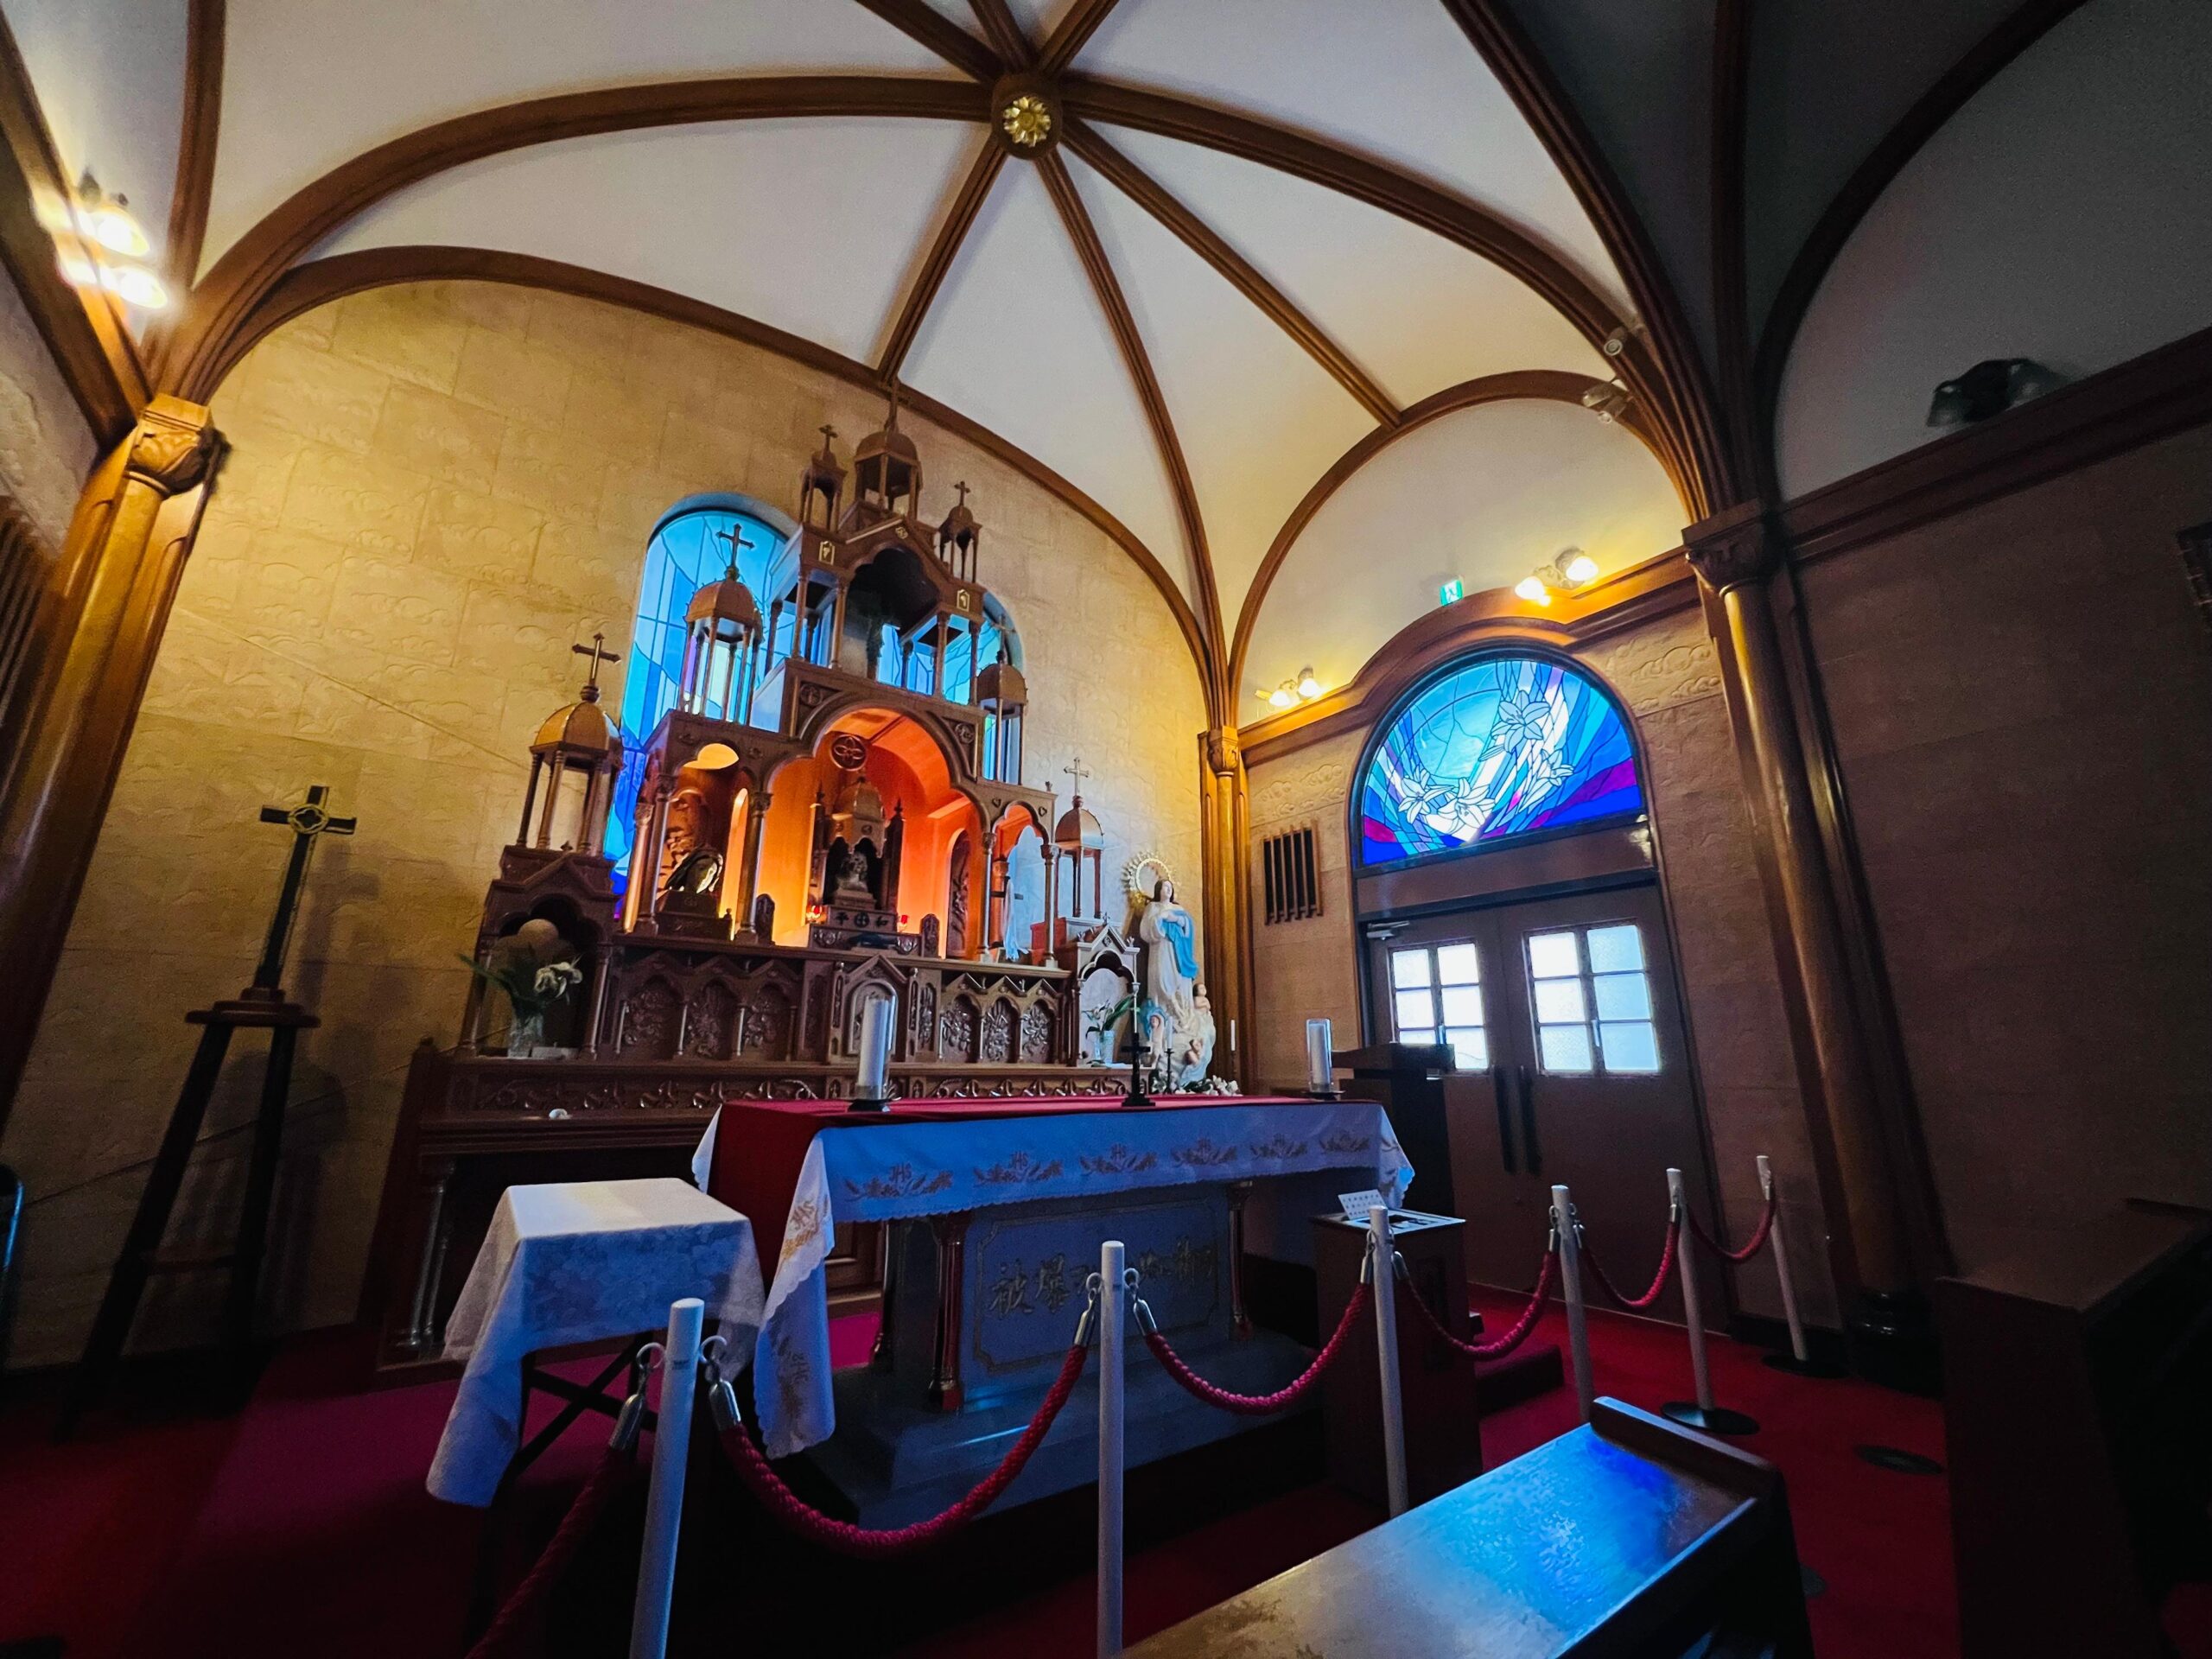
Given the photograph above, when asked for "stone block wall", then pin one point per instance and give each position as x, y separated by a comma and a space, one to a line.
434, 490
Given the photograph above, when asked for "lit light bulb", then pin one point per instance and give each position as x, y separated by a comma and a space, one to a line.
1308, 687
1281, 697
1579, 568
1532, 588
135, 286
76, 269
107, 224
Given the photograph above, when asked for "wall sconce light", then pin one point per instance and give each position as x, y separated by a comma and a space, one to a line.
1569, 569
1989, 388
1608, 401
1301, 687
99, 244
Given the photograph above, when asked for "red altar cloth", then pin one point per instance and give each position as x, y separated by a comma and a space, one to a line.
760, 1145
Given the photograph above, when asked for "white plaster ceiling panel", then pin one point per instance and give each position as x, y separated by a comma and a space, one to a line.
1419, 314
808, 224
110, 79
1392, 79
1825, 83
307, 84
1258, 419
2062, 215
1039, 18
1017, 341
1485, 494
1639, 75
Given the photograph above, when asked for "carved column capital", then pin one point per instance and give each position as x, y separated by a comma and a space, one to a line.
1734, 547
1223, 753
175, 445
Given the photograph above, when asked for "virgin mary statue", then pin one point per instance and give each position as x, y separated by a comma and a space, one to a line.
1171, 970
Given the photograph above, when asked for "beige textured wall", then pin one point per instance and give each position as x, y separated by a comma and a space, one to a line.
434, 491
1665, 672
45, 448
2019, 697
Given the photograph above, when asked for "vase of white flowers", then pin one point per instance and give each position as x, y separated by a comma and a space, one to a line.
536, 970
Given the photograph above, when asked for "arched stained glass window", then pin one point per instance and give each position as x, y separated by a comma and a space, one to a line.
1494, 749
686, 551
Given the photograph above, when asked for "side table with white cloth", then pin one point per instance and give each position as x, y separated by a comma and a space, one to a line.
573, 1263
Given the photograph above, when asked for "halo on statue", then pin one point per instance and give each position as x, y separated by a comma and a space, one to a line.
1142, 874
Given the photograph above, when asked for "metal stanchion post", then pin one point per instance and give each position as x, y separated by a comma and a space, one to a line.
1112, 1306
679, 1376
1799, 1360
1383, 1270
1703, 1414
1570, 1277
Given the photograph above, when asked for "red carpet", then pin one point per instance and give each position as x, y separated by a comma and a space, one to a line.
302, 1525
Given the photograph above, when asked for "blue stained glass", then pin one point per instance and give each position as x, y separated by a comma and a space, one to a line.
1499, 747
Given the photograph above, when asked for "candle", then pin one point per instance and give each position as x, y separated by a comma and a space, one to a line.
874, 1083
1321, 1062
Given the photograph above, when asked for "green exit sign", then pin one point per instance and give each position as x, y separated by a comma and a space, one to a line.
1451, 591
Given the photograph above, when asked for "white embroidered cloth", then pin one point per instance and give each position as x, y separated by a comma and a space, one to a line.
905, 1167
575, 1261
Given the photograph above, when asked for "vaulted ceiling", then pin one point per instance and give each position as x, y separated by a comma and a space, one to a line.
1261, 242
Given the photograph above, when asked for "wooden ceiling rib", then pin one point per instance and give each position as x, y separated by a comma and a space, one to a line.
229, 292
967, 203
1073, 35
922, 21
1141, 188
1115, 305
1003, 33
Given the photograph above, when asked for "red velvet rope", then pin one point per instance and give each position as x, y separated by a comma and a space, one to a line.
753, 1468
1658, 1279
1259, 1405
500, 1636
1756, 1244
1498, 1347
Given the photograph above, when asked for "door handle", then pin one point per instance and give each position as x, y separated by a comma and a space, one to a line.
1499, 1088
1529, 1146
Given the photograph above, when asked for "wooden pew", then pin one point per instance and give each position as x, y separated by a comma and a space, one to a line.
2074, 1382
1629, 1537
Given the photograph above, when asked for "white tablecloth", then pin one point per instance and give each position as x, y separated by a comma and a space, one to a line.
577, 1261
888, 1170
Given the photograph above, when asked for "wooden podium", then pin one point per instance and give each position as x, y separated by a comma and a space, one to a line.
261, 1007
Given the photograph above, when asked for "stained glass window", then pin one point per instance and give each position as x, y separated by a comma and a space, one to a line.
1498, 748
685, 553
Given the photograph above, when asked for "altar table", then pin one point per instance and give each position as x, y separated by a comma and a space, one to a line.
575, 1261
800, 1169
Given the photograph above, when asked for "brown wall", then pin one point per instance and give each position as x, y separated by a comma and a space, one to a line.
434, 491
1665, 672
2022, 702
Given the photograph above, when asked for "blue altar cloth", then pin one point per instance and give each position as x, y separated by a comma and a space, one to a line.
901, 1168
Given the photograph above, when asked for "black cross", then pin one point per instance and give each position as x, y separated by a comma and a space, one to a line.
735, 537
309, 821
597, 656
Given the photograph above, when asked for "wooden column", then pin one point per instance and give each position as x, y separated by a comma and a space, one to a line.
1736, 555
1224, 801
63, 738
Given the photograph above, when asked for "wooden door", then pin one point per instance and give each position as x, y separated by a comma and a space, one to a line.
1435, 980
1577, 1073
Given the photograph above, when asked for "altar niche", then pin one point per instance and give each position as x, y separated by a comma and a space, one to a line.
832, 812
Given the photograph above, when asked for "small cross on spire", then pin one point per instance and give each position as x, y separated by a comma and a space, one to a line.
1078, 771
962, 486
597, 655
735, 537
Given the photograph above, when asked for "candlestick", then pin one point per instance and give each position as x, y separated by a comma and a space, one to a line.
871, 1087
1320, 1062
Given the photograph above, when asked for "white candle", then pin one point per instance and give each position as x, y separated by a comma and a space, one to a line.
1321, 1062
875, 1051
